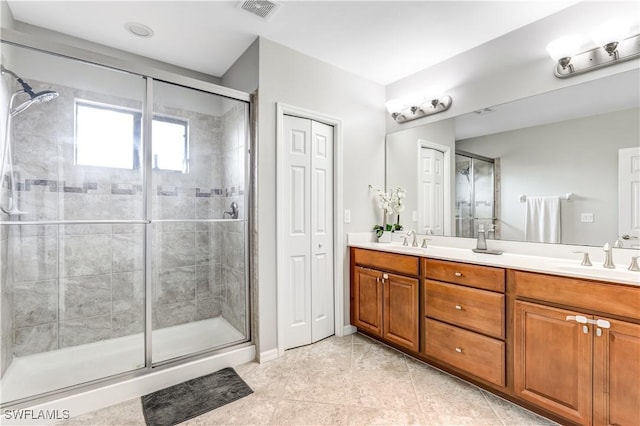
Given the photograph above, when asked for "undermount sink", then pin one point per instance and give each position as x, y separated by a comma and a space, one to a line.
621, 272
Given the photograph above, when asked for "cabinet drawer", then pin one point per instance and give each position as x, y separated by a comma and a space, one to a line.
612, 299
408, 265
477, 310
485, 277
479, 355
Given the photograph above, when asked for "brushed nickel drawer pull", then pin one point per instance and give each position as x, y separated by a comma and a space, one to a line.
459, 350
458, 307
458, 274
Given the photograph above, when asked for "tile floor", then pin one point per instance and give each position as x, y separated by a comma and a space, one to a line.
349, 380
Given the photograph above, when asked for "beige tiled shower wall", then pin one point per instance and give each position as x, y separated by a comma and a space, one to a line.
77, 284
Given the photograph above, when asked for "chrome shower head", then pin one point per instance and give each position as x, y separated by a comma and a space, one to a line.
34, 98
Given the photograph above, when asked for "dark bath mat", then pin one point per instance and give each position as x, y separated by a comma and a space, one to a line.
176, 404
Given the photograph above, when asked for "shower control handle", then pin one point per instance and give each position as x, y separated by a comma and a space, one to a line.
233, 214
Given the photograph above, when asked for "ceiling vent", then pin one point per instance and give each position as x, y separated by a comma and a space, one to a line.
263, 8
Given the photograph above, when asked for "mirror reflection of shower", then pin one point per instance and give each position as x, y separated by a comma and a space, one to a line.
475, 195
11, 208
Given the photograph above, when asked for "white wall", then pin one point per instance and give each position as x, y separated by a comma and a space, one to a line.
293, 78
513, 66
578, 156
243, 74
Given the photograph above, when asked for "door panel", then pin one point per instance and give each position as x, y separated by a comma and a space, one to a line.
552, 361
617, 374
401, 315
367, 303
322, 296
308, 243
629, 195
297, 280
431, 192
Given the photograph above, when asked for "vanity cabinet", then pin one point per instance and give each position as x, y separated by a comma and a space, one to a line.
578, 361
567, 348
383, 303
464, 318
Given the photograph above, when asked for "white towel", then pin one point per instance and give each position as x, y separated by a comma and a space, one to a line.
542, 220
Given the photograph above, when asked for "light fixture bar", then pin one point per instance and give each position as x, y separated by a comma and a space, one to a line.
596, 58
427, 108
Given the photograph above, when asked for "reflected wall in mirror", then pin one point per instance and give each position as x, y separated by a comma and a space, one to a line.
565, 141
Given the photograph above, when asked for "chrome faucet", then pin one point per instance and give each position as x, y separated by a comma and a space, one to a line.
608, 257
634, 264
415, 238
482, 239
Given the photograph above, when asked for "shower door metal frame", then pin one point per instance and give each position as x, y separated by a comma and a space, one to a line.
147, 70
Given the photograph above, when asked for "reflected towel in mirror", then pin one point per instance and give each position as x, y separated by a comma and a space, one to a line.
542, 220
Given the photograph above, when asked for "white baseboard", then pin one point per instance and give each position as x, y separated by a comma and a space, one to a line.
348, 329
269, 355
105, 396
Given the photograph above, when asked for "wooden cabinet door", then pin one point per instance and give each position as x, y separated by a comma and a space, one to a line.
401, 313
367, 300
616, 386
553, 361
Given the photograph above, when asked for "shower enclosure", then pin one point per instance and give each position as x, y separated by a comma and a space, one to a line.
116, 255
476, 186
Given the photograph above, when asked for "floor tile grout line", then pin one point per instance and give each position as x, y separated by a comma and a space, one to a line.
484, 395
415, 391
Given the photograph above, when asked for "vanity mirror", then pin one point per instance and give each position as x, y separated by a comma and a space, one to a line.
568, 141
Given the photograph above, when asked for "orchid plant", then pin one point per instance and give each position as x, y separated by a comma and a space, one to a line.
391, 202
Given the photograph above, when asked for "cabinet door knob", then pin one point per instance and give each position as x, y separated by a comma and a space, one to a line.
458, 307
459, 350
458, 274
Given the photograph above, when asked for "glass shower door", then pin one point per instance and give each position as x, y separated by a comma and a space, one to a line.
199, 292
475, 194
72, 253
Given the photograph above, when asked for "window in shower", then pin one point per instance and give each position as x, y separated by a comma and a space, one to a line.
110, 136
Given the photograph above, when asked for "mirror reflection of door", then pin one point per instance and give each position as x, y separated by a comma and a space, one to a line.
431, 192
475, 195
629, 196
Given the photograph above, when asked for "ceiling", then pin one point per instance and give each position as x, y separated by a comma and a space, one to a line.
382, 41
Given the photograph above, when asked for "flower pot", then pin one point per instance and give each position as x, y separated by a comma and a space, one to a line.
385, 237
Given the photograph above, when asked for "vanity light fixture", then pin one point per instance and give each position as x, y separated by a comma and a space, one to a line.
613, 47
410, 109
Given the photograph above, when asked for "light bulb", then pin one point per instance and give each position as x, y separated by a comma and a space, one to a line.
613, 30
564, 47
610, 33
394, 105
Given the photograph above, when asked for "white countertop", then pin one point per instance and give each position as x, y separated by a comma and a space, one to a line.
523, 262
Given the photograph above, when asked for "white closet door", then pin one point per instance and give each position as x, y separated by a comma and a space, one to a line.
322, 305
431, 192
308, 240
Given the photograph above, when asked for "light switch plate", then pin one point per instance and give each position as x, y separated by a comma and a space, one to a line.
347, 216
414, 216
586, 217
